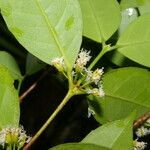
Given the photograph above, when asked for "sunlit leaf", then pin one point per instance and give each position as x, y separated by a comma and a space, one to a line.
8, 61
101, 18
134, 43
47, 29
9, 101
132, 3
128, 16
145, 8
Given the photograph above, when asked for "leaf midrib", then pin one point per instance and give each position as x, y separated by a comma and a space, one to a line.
52, 30
132, 44
93, 12
117, 137
127, 100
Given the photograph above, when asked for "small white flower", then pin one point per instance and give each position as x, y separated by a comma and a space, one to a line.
148, 121
11, 135
96, 91
96, 75
89, 75
139, 145
58, 63
2, 138
101, 92
142, 131
83, 58
89, 91
73, 73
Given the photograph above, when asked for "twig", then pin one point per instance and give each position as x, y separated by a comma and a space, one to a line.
141, 120
32, 87
50, 119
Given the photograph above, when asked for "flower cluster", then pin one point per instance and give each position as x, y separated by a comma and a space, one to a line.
139, 145
90, 81
82, 60
148, 121
142, 131
59, 63
85, 80
13, 136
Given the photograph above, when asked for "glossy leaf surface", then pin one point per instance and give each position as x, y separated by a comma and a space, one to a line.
132, 3
47, 29
8, 61
134, 43
101, 18
9, 101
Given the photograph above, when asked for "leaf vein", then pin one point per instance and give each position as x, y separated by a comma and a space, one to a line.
52, 30
127, 100
93, 12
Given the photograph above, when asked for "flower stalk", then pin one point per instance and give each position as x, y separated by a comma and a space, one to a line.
46, 124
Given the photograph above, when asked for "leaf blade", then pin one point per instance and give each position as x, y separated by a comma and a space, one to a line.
102, 25
132, 45
33, 64
126, 89
132, 3
8, 61
9, 100
45, 29
78, 146
114, 135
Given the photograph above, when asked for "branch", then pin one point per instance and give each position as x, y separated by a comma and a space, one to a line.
141, 120
50, 119
32, 87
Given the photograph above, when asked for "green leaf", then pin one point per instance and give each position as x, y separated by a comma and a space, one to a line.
134, 43
9, 101
128, 16
33, 64
144, 9
8, 61
132, 3
101, 18
115, 135
78, 146
46, 28
126, 89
